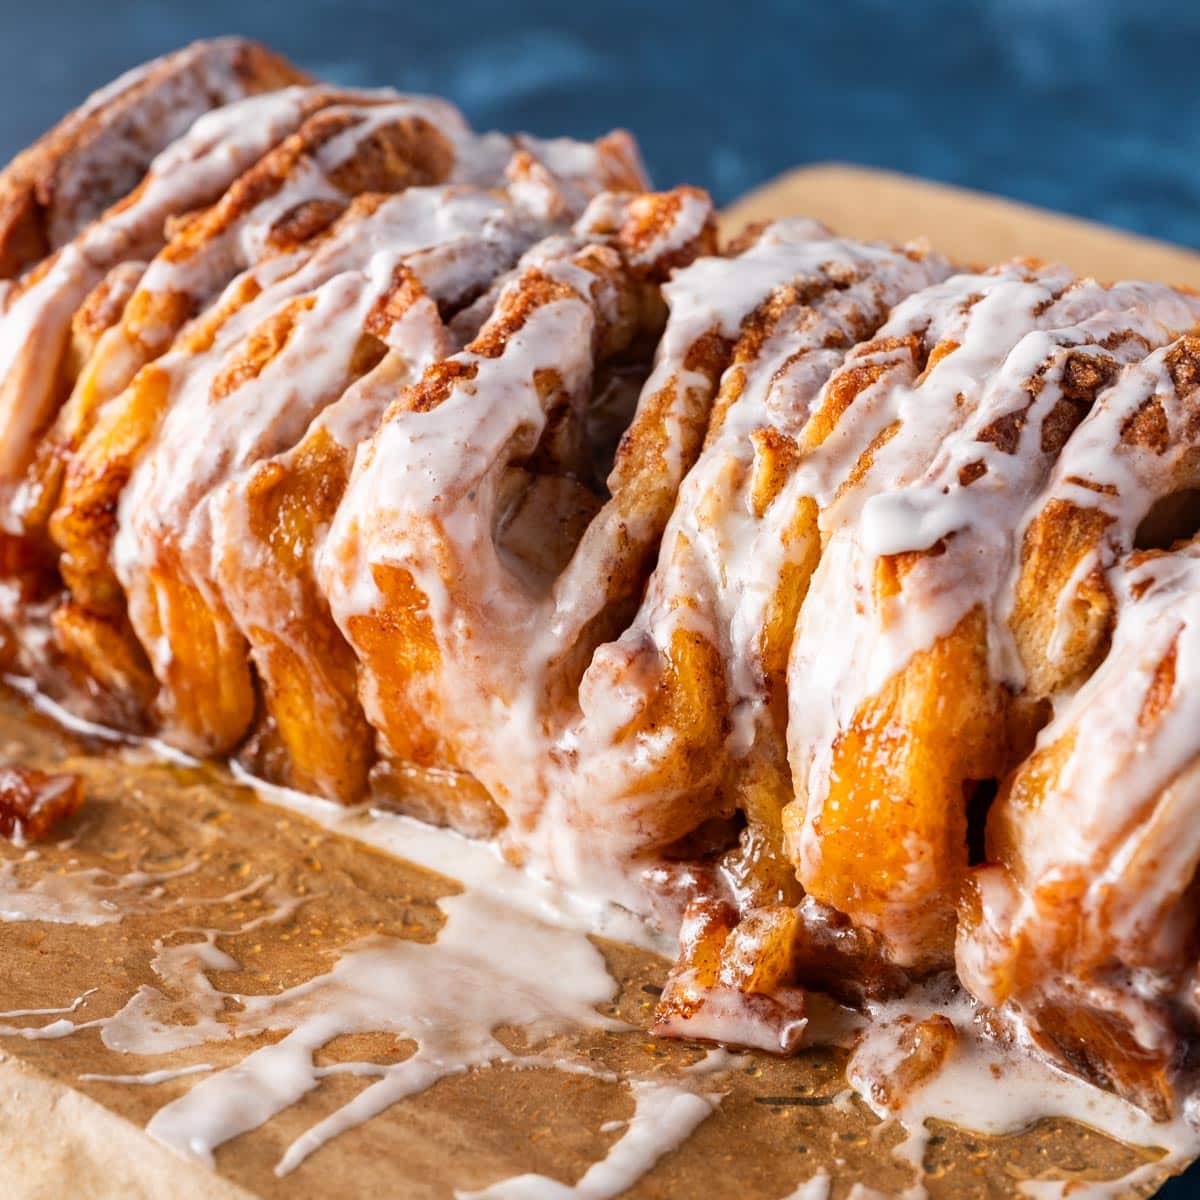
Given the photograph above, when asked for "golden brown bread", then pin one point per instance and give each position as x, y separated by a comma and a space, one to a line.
1081, 895
600, 285
232, 347
74, 477
458, 471
883, 781
203, 254
96, 155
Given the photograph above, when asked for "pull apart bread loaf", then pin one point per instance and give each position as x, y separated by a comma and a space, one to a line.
832, 605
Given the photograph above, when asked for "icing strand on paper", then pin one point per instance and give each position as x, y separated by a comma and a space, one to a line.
664, 1117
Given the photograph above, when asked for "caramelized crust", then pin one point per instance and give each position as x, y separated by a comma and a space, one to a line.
895, 1058
730, 982
1085, 918
573, 303
97, 154
348, 143
838, 607
919, 584
330, 302
270, 523
1130, 472
33, 804
38, 314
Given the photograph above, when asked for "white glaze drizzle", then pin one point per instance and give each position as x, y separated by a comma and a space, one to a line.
553, 177
453, 240
48, 1012
1137, 852
82, 897
438, 473
181, 88
815, 1188
199, 274
664, 1118
204, 441
486, 968
480, 863
560, 781
720, 563
886, 531
1002, 339
849, 643
996, 1091
1100, 470
500, 931
455, 263
190, 172
150, 1078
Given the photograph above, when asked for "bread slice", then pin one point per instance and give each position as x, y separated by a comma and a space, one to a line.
99, 152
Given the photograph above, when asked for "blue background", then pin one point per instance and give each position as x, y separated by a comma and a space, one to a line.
1089, 106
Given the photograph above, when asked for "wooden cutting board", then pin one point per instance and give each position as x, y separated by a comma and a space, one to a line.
970, 227
60, 1135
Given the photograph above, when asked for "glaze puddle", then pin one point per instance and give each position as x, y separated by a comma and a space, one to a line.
514, 953
526, 963
816, 1188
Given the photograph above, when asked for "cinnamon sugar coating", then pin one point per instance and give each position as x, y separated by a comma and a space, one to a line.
33, 804
832, 604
